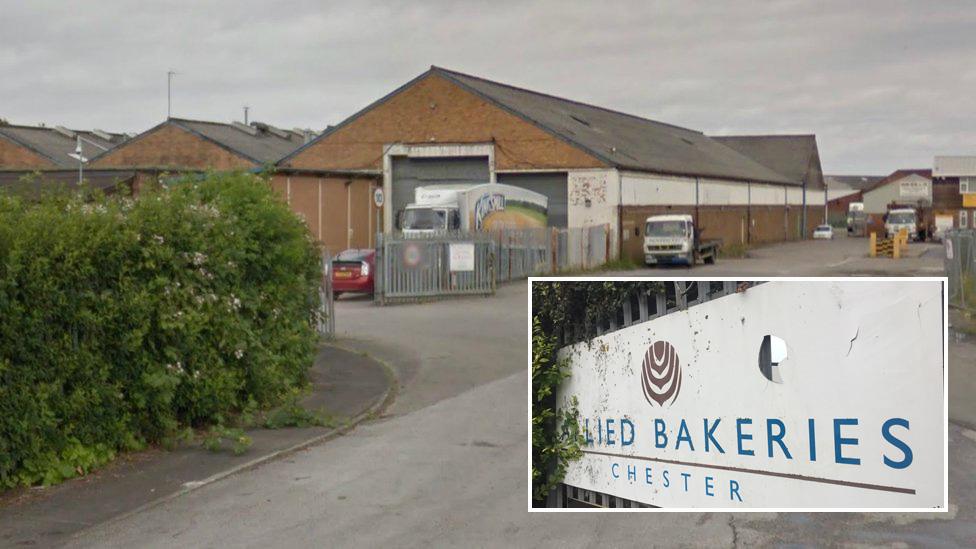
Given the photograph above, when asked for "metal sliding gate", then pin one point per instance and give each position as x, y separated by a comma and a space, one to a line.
410, 268
413, 268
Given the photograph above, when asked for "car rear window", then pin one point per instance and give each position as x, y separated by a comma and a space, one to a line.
352, 255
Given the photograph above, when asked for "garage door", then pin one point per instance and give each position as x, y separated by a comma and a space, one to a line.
553, 185
410, 173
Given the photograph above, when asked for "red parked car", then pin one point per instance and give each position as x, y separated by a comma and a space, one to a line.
352, 271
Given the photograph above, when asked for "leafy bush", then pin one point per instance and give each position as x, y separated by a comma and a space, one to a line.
125, 321
556, 308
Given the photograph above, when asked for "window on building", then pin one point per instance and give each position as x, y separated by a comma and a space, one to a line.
963, 218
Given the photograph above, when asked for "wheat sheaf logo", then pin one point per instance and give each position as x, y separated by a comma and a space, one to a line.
661, 373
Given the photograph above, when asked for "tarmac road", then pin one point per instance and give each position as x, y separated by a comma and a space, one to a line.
841, 256
448, 464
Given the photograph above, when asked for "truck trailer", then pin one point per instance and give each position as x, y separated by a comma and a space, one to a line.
481, 207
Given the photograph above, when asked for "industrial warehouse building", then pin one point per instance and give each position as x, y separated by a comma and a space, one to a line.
596, 165
902, 188
335, 206
50, 148
38, 158
179, 144
955, 176
842, 190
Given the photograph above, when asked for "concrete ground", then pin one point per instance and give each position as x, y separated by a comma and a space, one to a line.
841, 256
448, 463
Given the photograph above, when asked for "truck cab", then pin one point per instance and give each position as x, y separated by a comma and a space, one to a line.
420, 220
669, 239
901, 218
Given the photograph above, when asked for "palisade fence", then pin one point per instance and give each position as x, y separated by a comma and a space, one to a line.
960, 267
325, 321
674, 296
424, 267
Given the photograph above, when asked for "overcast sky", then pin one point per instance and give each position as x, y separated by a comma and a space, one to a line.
884, 85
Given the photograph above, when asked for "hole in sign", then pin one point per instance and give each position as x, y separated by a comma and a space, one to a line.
772, 354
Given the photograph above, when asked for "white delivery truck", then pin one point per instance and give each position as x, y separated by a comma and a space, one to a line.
902, 218
472, 208
674, 239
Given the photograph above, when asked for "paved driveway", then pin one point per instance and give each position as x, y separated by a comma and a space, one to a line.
841, 256
448, 464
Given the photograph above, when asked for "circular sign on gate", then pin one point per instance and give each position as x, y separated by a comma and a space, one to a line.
411, 255
378, 197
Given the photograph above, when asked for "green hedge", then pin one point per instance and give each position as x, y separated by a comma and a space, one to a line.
125, 321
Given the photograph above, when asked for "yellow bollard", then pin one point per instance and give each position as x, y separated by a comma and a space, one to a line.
874, 245
896, 247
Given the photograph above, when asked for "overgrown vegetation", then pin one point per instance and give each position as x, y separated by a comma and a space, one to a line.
733, 251
556, 308
129, 322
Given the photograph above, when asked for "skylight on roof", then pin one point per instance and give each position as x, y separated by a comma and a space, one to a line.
580, 120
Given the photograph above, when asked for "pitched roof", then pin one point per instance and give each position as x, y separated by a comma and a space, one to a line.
856, 182
790, 155
898, 174
257, 141
622, 140
57, 143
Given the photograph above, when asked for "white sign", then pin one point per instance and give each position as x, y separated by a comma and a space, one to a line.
791, 394
948, 247
914, 188
462, 256
378, 197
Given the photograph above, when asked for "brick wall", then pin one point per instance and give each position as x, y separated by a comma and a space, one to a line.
732, 224
14, 156
324, 202
435, 110
173, 147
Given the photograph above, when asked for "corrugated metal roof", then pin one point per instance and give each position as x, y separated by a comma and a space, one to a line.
856, 182
56, 145
622, 140
954, 166
258, 142
898, 174
790, 155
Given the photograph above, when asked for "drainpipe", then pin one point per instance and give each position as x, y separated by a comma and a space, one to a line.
803, 215
696, 204
348, 214
620, 214
748, 212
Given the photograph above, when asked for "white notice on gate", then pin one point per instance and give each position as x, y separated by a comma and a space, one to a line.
462, 256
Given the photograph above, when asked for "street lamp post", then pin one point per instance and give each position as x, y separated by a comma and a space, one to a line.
81, 161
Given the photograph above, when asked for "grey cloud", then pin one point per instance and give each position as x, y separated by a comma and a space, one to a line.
883, 84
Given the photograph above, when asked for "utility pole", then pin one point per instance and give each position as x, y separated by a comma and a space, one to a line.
246, 108
81, 161
169, 101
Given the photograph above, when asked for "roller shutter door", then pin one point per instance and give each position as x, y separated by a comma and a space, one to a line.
410, 173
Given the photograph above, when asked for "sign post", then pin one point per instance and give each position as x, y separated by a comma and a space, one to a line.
378, 197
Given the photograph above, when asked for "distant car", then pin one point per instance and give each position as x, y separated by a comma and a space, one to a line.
825, 232
352, 271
